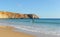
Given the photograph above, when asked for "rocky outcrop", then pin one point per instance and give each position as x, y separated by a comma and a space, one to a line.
16, 15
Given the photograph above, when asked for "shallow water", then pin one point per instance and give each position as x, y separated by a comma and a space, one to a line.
38, 26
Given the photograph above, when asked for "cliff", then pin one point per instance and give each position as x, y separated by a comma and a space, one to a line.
16, 15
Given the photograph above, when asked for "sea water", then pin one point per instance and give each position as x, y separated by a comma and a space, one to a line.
45, 26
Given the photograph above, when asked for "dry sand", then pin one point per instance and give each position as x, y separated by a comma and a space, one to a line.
6, 31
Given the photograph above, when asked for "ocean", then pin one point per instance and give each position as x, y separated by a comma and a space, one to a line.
34, 26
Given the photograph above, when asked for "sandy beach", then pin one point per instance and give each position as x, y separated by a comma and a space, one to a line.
7, 31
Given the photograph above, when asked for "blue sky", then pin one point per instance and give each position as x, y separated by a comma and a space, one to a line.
42, 8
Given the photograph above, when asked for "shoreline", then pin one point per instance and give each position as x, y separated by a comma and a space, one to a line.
8, 31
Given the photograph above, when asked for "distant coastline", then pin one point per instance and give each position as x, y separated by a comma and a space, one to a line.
17, 15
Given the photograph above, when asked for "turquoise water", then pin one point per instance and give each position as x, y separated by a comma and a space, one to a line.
46, 26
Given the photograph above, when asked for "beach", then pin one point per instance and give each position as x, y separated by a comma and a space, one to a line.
27, 28
7, 31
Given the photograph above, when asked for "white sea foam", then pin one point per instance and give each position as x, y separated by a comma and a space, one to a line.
37, 30
45, 30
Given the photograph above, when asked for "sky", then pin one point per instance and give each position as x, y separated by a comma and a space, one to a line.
42, 8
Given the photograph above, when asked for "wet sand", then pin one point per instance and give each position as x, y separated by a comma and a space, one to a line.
7, 31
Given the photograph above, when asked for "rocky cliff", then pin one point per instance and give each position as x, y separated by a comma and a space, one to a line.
16, 15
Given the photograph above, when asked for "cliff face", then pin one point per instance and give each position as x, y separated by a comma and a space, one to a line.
16, 15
